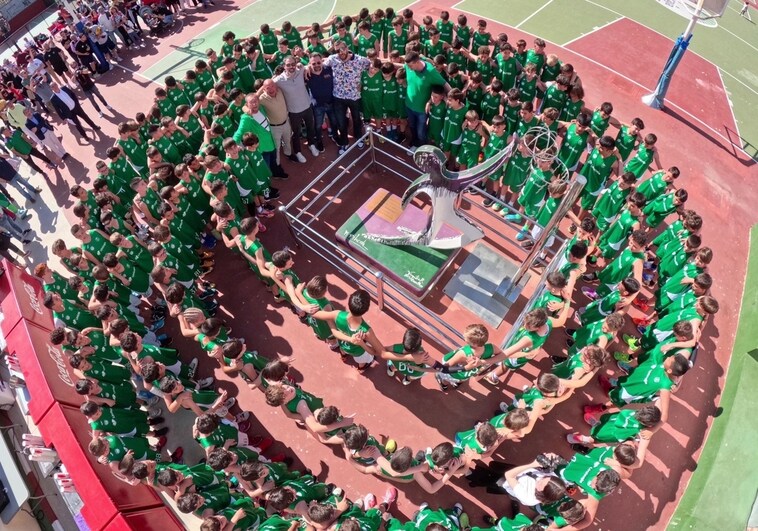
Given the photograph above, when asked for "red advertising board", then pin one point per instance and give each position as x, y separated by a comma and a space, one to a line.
161, 518
21, 297
104, 495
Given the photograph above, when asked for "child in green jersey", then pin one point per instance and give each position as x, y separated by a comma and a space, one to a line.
492, 101
537, 400
301, 406
528, 341
496, 142
358, 444
555, 191
410, 370
556, 95
514, 175
478, 443
660, 208
577, 370
436, 109
629, 137
356, 337
601, 118
372, 82
463, 31
397, 37
574, 105
532, 197
658, 183
599, 165
452, 126
575, 136
624, 425
527, 83
472, 357
473, 139
629, 220
313, 293
390, 102
612, 199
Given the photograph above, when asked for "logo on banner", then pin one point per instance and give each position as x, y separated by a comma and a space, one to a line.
57, 356
33, 300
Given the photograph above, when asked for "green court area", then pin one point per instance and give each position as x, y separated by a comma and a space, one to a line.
246, 21
723, 488
732, 45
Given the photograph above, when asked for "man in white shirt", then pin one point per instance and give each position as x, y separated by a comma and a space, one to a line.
292, 84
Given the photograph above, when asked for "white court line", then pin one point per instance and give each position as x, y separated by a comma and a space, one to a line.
751, 89
731, 107
630, 80
598, 28
738, 37
138, 74
533, 14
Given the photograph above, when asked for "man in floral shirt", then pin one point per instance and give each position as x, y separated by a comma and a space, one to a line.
347, 69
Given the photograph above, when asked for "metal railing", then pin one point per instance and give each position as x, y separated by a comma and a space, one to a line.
389, 295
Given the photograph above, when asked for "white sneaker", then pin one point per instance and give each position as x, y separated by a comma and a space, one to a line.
205, 383
300, 158
229, 403
101, 114
314, 150
361, 145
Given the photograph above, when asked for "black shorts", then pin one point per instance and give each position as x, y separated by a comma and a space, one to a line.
60, 68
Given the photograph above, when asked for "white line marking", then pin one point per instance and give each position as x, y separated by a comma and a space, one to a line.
630, 80
738, 80
595, 29
731, 109
138, 74
738, 37
533, 14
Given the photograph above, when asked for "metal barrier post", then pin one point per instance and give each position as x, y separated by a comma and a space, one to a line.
372, 143
379, 289
283, 211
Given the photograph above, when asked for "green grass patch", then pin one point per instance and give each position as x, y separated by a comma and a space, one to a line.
550, 22
510, 12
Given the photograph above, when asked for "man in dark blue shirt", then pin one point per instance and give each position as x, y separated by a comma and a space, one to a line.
321, 86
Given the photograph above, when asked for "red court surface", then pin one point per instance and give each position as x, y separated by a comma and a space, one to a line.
720, 187
639, 54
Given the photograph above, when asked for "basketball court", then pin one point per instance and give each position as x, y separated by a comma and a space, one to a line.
618, 48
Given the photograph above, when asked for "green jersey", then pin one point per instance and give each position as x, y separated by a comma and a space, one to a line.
583, 469
526, 398
218, 438
135, 151
617, 427
528, 88
573, 146
537, 341
507, 70
517, 170
512, 118
365, 44
123, 394
474, 97
639, 164
445, 517
516, 523
321, 328
480, 39
596, 170
569, 367
293, 37
659, 209
76, 316
368, 520
464, 35
533, 194
119, 446
653, 187
600, 308
436, 121
555, 98
313, 402
625, 142
446, 31
599, 124
466, 440
371, 94
571, 110
407, 369
452, 126
432, 49
122, 422
609, 204
343, 325
618, 270
491, 106
471, 147
138, 254
397, 41
643, 383
537, 59
487, 352
611, 241
589, 334
269, 42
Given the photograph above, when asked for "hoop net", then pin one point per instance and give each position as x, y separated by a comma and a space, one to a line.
541, 144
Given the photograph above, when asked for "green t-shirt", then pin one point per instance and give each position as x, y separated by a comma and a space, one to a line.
420, 86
